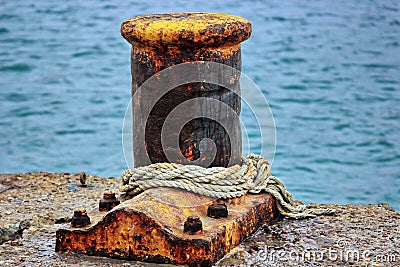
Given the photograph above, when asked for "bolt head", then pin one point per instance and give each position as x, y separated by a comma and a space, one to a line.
217, 210
193, 225
108, 202
193, 219
79, 212
109, 195
80, 218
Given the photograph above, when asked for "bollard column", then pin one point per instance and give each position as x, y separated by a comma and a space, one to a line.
169, 225
163, 40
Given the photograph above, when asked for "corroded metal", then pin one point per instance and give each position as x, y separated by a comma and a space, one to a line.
80, 218
149, 227
165, 225
108, 201
164, 40
193, 225
217, 210
187, 29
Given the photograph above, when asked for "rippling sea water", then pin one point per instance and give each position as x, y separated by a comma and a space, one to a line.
329, 69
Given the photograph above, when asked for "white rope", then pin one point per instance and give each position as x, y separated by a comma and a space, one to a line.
253, 176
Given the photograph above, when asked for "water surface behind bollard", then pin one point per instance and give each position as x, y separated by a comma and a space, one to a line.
165, 40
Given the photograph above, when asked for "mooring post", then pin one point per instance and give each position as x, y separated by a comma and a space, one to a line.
171, 225
164, 40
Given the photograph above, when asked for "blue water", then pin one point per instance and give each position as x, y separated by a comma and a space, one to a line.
329, 69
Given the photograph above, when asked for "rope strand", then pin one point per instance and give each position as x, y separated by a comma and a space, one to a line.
253, 176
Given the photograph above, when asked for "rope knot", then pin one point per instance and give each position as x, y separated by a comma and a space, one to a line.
253, 176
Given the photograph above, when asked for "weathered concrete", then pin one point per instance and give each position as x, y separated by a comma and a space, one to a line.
46, 200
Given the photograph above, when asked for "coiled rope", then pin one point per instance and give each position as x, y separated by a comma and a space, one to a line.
253, 177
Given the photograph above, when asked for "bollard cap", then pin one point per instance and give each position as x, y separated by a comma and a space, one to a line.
186, 29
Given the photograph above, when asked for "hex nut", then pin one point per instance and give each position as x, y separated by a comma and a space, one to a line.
217, 210
108, 202
193, 225
80, 218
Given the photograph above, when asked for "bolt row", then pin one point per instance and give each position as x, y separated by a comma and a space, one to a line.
193, 224
106, 203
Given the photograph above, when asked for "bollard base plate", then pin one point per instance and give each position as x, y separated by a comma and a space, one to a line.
149, 228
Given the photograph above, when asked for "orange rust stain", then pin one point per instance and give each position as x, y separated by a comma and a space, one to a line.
169, 56
189, 152
186, 29
148, 228
169, 39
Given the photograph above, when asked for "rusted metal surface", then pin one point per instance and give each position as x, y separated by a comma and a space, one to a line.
163, 40
165, 225
82, 179
217, 210
108, 202
80, 218
150, 228
193, 225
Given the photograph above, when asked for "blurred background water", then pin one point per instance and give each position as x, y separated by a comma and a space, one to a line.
329, 69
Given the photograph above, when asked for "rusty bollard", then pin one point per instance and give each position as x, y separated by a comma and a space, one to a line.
108, 202
163, 40
80, 218
143, 228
